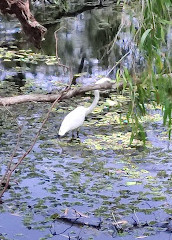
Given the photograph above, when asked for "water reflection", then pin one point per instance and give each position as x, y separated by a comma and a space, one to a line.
85, 35
8, 30
83, 44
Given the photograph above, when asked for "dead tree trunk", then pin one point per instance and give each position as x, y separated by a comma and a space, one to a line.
31, 27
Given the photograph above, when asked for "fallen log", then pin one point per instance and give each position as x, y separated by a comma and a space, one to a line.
52, 97
69, 94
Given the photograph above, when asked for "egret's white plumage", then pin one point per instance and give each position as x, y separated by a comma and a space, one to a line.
76, 118
73, 120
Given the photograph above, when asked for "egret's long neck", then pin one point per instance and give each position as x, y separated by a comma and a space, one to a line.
94, 103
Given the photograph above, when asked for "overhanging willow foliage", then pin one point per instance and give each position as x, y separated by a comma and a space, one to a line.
153, 39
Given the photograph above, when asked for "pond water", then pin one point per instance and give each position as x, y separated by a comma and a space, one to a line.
96, 187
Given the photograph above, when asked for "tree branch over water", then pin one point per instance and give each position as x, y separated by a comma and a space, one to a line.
31, 27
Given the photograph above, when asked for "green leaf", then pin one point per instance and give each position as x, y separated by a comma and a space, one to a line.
144, 36
165, 22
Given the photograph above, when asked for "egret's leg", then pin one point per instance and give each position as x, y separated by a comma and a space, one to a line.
72, 138
73, 135
77, 133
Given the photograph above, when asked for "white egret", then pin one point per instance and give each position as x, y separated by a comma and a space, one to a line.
76, 118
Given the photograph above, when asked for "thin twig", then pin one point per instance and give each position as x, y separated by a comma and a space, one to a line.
56, 38
34, 141
117, 63
115, 38
58, 59
138, 222
16, 147
115, 220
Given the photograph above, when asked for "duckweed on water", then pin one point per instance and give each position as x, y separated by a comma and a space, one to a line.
98, 174
26, 56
